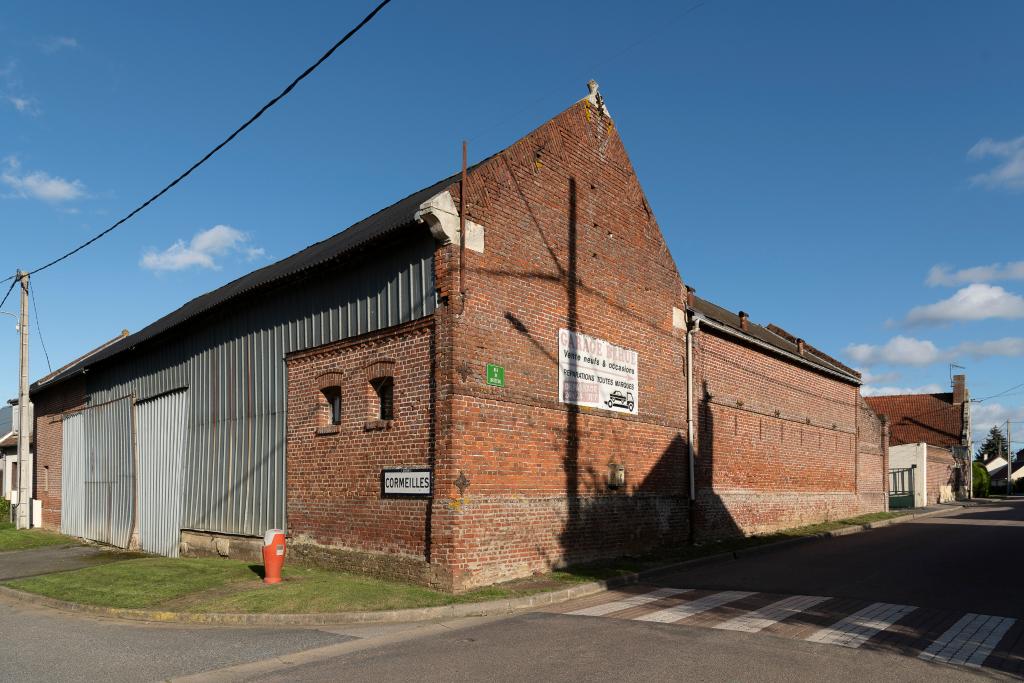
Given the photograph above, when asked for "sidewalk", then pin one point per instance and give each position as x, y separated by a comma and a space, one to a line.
18, 564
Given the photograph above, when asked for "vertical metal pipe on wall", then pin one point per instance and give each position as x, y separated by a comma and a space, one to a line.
691, 330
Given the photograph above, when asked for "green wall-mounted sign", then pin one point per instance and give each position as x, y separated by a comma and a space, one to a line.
495, 375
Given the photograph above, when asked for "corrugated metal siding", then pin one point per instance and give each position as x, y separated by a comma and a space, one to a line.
160, 436
72, 479
234, 460
109, 473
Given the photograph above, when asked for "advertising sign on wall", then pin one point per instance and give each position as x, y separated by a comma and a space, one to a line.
596, 373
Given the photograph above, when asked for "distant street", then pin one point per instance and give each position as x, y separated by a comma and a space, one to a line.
923, 590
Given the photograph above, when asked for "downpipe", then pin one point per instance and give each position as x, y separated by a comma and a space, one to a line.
691, 330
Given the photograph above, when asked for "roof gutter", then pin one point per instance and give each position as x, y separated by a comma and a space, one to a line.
773, 349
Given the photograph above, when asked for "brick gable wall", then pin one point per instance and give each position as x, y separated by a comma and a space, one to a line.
570, 243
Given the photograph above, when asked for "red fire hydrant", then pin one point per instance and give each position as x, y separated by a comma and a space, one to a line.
273, 555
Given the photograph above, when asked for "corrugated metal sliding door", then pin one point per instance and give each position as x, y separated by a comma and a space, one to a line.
72, 478
109, 473
160, 433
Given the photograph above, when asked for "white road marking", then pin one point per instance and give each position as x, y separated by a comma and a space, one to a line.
856, 629
758, 620
688, 609
631, 601
969, 641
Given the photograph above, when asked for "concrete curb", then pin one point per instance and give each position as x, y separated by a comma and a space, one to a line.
475, 609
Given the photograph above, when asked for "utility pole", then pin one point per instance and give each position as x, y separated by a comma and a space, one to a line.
24, 417
1009, 460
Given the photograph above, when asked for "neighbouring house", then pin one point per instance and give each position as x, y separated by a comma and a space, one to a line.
930, 434
456, 412
9, 458
996, 468
8, 449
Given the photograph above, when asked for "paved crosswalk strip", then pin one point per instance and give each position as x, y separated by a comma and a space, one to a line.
973, 640
969, 641
760, 619
859, 627
688, 609
632, 601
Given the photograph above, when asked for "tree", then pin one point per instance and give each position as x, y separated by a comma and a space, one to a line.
995, 444
981, 480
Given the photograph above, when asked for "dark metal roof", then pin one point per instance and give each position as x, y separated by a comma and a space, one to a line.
773, 336
387, 220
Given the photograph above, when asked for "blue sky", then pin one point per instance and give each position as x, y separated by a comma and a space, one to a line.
853, 172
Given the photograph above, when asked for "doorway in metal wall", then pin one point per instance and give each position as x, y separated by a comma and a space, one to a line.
160, 436
107, 469
72, 478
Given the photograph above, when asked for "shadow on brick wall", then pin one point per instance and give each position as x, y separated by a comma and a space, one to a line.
606, 522
712, 519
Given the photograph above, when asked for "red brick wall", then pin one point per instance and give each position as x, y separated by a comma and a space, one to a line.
941, 473
334, 496
570, 242
779, 444
50, 405
873, 459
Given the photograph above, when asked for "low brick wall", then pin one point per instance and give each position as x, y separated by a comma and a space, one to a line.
941, 475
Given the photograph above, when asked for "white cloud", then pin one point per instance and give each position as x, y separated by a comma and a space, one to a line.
902, 350
986, 415
974, 302
867, 390
942, 275
56, 43
24, 105
899, 350
39, 184
1009, 172
1008, 347
869, 377
202, 250
12, 90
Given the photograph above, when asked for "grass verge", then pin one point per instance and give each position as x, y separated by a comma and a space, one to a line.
219, 585
629, 565
12, 538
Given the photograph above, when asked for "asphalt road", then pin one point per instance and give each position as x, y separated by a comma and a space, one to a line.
940, 564
552, 647
957, 561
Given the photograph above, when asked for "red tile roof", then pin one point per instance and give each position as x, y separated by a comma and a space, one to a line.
913, 418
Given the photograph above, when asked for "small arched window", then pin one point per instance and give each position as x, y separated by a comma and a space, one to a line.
381, 376
333, 397
329, 385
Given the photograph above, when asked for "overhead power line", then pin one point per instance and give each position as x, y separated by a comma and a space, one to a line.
8, 291
39, 329
1001, 393
369, 17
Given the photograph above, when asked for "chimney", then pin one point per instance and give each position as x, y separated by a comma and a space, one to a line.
691, 296
959, 389
744, 321
800, 346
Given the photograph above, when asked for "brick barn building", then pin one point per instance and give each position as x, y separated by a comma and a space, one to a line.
458, 415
